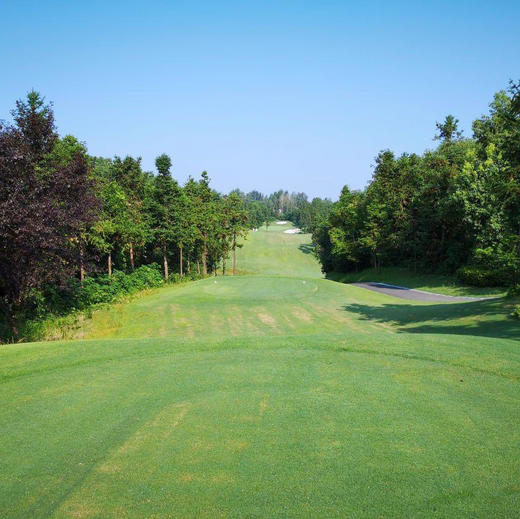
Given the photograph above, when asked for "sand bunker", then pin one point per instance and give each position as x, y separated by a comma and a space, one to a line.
293, 231
281, 222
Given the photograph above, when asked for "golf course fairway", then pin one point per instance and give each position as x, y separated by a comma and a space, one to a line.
272, 394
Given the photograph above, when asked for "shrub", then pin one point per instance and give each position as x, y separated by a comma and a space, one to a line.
54, 310
514, 291
484, 277
175, 278
516, 312
52, 327
103, 289
193, 276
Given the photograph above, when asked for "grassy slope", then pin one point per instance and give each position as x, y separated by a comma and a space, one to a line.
273, 252
442, 284
264, 396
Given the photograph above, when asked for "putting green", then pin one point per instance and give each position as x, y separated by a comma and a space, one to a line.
273, 394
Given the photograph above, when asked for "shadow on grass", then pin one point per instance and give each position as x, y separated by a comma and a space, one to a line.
480, 318
306, 248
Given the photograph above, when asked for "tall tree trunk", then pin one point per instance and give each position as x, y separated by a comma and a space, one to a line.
81, 266
515, 268
181, 272
12, 327
234, 254
198, 267
131, 255
441, 248
188, 265
414, 252
10, 311
110, 264
204, 259
165, 262
224, 258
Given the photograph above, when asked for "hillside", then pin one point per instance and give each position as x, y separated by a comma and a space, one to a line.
273, 252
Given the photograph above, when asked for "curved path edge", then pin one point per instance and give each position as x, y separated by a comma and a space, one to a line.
412, 294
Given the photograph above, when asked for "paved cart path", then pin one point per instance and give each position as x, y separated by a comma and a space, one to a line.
413, 294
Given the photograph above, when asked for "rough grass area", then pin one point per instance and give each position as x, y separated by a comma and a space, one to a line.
439, 283
267, 396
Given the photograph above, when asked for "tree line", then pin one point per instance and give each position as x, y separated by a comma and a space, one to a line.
66, 216
455, 208
294, 207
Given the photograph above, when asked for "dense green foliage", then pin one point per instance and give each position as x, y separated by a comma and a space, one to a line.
102, 289
149, 218
456, 207
479, 276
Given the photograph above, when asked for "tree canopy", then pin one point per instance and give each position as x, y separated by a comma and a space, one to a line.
454, 208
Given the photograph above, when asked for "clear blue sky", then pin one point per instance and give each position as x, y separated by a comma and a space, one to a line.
263, 95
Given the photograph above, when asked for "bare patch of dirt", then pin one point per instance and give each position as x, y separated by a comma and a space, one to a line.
162, 425
302, 314
267, 319
263, 406
81, 511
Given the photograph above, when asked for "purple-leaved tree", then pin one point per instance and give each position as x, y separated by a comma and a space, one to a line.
46, 202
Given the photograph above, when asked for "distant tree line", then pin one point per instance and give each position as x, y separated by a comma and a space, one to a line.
282, 205
454, 208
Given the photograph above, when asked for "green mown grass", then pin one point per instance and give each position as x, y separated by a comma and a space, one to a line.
273, 252
275, 394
